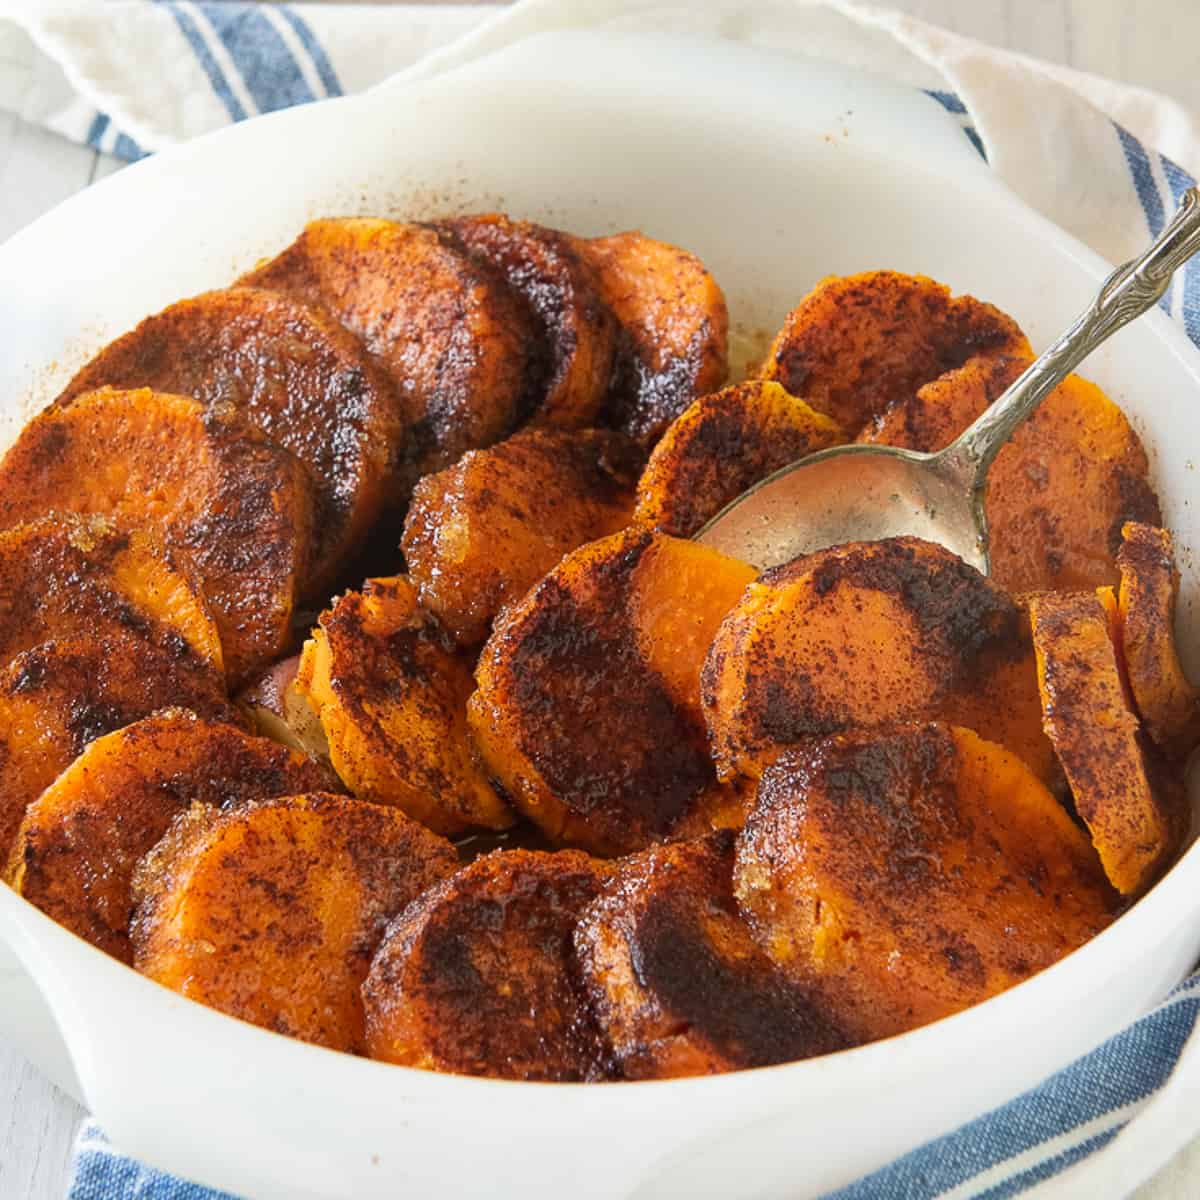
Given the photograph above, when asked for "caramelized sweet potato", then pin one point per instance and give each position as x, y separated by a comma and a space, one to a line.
233, 505
858, 343
582, 732
865, 635
391, 693
271, 912
720, 446
576, 329
1098, 739
82, 838
674, 325
1166, 699
474, 976
293, 372
480, 534
66, 576
56, 697
450, 333
1058, 493
675, 978
914, 871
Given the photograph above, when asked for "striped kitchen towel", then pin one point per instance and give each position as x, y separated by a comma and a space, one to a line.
1106, 162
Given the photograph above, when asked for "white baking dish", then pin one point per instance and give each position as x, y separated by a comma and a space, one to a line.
776, 172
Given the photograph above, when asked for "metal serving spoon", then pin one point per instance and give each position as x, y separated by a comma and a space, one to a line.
866, 493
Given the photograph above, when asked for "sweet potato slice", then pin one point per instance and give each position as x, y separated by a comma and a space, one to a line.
271, 912
293, 372
1166, 699
450, 334
233, 505
391, 692
81, 839
675, 329
55, 698
858, 343
675, 978
1058, 493
582, 732
475, 976
720, 446
576, 329
480, 534
1098, 739
866, 635
914, 871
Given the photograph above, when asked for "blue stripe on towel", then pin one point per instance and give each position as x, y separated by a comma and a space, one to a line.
315, 50
267, 67
948, 100
216, 77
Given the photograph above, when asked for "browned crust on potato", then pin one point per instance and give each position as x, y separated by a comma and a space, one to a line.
57, 697
221, 497
1167, 701
584, 737
271, 912
475, 976
720, 446
858, 343
81, 839
576, 329
674, 324
1098, 739
1058, 493
450, 333
293, 372
675, 979
865, 635
390, 691
914, 871
480, 534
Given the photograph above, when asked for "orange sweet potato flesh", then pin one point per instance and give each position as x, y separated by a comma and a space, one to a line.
863, 636
720, 446
1058, 493
581, 730
1166, 699
294, 373
913, 871
56, 697
575, 329
271, 912
475, 977
676, 980
674, 325
390, 692
858, 343
450, 334
480, 534
1099, 741
82, 838
235, 507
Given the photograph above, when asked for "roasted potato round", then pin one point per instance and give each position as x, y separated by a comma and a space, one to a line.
1058, 493
235, 507
865, 635
480, 534
297, 375
914, 871
81, 839
271, 912
675, 979
450, 333
674, 326
475, 976
390, 692
858, 343
720, 446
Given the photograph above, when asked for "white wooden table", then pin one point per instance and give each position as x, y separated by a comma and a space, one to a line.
1153, 43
